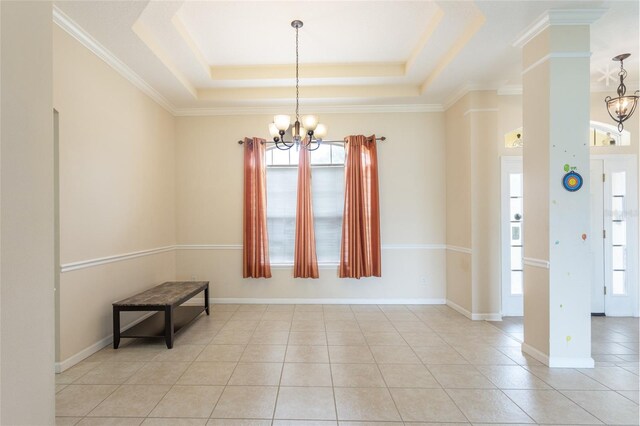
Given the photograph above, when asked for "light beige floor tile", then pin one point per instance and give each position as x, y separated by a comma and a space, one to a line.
60, 387
350, 354
381, 339
270, 338
339, 316
238, 422
315, 403
240, 325
149, 421
365, 404
277, 316
308, 338
615, 378
67, 421
307, 325
188, 401
565, 378
371, 316
131, 401
356, 376
375, 424
407, 376
180, 353
224, 307
439, 355
303, 374
631, 395
281, 308
488, 406
254, 307
134, 352
516, 354
376, 327
207, 373
394, 355
411, 327
460, 377
113, 373
158, 373
246, 316
110, 421
256, 374
426, 405
484, 355
308, 308
246, 402
264, 353
422, 339
550, 406
232, 337
75, 372
308, 316
228, 353
608, 406
340, 326
349, 338
365, 308
194, 337
315, 354
273, 325
305, 422
511, 377
79, 400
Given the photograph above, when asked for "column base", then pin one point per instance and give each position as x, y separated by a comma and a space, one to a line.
558, 362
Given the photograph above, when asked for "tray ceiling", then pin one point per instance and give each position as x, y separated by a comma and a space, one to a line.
198, 55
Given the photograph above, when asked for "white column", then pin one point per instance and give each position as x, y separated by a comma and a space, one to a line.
556, 99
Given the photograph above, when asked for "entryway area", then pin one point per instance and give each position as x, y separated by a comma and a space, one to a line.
613, 235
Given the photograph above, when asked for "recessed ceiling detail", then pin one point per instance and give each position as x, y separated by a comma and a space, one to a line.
217, 55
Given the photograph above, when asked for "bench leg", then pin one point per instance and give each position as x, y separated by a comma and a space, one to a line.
116, 327
168, 326
206, 299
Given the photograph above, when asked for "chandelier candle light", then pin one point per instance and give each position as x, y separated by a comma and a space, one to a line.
622, 107
305, 135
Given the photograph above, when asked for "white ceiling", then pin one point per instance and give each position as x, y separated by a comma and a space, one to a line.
240, 54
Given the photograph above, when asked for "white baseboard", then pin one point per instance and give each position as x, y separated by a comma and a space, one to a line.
294, 301
59, 367
472, 316
558, 362
536, 354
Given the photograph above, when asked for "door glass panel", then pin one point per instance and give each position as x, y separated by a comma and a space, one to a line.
515, 219
516, 282
618, 233
618, 258
618, 284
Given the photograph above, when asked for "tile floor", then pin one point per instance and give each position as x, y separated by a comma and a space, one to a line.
352, 365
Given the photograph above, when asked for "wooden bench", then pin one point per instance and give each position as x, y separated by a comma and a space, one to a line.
165, 298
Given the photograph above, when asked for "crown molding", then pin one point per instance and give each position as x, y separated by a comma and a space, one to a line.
510, 90
558, 17
463, 90
332, 109
77, 32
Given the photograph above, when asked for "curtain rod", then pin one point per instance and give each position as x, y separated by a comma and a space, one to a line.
381, 138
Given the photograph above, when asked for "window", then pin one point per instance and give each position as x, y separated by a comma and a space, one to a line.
327, 174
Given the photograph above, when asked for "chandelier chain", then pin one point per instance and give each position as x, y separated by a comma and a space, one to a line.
297, 81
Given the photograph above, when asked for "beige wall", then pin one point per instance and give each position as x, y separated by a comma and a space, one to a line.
458, 193
26, 216
117, 190
412, 176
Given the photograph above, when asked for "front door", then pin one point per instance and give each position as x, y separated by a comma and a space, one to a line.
597, 237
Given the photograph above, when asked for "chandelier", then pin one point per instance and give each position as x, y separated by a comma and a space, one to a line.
309, 133
622, 107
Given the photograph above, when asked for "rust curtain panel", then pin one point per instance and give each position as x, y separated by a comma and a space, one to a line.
255, 262
305, 262
360, 248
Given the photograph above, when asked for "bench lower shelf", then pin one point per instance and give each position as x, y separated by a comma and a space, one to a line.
154, 326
